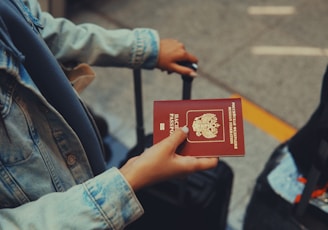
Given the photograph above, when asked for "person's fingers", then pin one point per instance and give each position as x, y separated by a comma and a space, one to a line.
206, 163
177, 137
193, 164
191, 58
183, 70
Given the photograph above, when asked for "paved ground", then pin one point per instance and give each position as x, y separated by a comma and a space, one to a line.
274, 60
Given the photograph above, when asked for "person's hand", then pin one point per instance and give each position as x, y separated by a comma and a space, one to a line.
170, 53
160, 162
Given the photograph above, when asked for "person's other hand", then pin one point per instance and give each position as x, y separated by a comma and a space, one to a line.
160, 162
170, 53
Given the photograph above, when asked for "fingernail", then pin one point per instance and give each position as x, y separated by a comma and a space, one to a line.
194, 65
193, 74
185, 129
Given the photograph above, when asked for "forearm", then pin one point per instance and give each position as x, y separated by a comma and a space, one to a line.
95, 45
105, 202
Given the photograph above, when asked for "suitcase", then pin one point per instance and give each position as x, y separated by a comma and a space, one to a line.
199, 201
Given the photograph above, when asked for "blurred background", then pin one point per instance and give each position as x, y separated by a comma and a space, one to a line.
271, 53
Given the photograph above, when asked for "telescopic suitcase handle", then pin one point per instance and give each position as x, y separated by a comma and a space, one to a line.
140, 131
186, 94
139, 111
187, 80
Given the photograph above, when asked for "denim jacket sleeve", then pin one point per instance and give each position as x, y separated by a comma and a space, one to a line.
95, 45
104, 202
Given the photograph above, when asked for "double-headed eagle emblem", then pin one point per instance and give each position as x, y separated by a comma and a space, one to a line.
206, 125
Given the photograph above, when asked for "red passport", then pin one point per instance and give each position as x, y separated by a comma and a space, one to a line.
215, 125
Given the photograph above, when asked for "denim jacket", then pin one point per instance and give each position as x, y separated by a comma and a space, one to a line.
45, 178
95, 45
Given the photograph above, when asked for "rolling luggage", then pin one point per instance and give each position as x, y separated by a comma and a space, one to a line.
199, 201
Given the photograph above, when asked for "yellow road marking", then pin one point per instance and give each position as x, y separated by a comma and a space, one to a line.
265, 121
271, 10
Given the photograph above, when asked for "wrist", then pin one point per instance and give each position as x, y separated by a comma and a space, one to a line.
131, 174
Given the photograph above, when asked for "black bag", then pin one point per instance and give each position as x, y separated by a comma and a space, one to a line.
309, 149
199, 201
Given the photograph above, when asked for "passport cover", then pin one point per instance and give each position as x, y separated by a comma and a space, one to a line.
215, 125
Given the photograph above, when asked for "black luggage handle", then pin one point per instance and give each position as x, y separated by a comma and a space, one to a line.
186, 94
140, 131
187, 80
139, 111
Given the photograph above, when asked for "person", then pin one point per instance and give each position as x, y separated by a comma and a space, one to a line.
48, 179
291, 191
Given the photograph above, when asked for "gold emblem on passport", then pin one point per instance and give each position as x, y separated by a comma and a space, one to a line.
206, 125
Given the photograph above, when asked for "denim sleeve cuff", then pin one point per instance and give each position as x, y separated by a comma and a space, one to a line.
146, 49
114, 199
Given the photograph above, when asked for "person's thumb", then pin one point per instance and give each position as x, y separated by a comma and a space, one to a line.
178, 136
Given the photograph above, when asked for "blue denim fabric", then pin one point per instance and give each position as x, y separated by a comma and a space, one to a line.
283, 180
45, 177
137, 48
